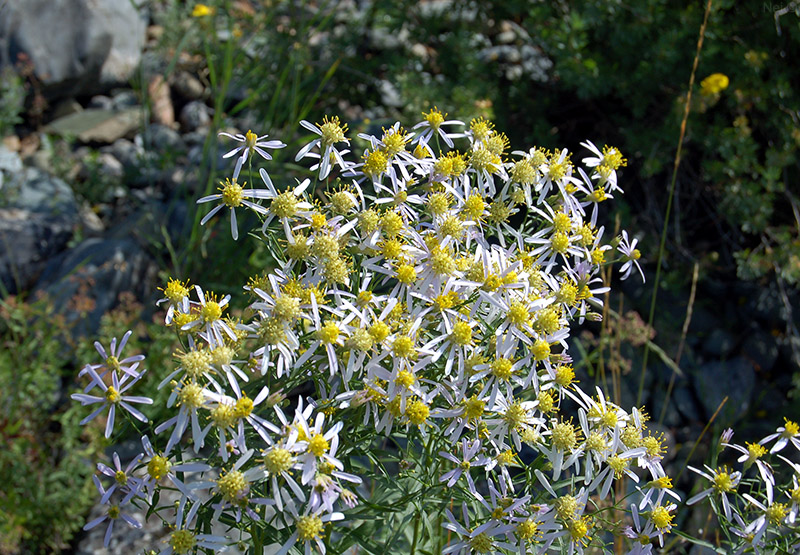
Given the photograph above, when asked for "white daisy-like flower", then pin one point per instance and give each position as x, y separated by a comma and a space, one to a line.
233, 195
484, 538
112, 361
751, 454
433, 125
331, 132
788, 433
470, 457
183, 540
308, 529
112, 397
124, 480
631, 256
252, 144
159, 467
770, 513
210, 318
605, 164
320, 446
113, 513
724, 482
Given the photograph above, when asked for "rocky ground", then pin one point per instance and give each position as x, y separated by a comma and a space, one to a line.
87, 197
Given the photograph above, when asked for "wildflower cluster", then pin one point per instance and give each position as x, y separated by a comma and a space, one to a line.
425, 293
757, 505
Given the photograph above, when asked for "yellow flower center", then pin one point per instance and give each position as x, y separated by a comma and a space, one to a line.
435, 118
232, 193
318, 445
405, 379
461, 334
566, 507
578, 530
474, 407
394, 141
309, 527
211, 311
417, 412
564, 436
518, 314
523, 172
158, 467
776, 513
565, 375
182, 541
328, 333
482, 543
474, 207
243, 407
526, 529
546, 401
250, 139
515, 415
661, 517
191, 395
438, 204
612, 158
540, 349
406, 274
403, 347
502, 369
559, 242
278, 460
379, 331
232, 485
392, 223
112, 395
224, 415
375, 163
284, 205
332, 131
723, 482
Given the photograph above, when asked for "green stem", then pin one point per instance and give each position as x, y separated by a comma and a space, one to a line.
416, 532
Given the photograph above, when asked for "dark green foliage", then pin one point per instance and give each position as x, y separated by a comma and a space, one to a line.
45, 462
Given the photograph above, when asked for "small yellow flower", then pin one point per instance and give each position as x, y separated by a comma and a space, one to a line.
714, 84
202, 10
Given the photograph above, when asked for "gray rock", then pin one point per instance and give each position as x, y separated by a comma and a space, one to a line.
195, 115
163, 138
110, 166
761, 348
75, 46
101, 102
685, 402
86, 281
38, 214
67, 107
124, 99
188, 86
98, 126
10, 163
735, 379
9, 160
195, 138
719, 343
92, 224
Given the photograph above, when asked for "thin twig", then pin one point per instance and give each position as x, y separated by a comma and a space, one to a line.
700, 437
672, 194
